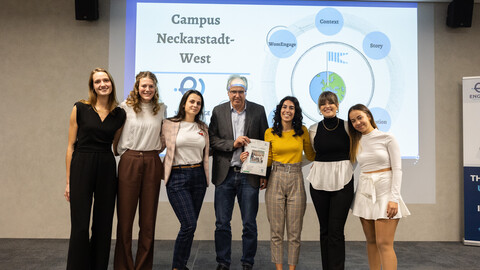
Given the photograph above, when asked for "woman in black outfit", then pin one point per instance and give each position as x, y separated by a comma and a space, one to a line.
91, 172
331, 180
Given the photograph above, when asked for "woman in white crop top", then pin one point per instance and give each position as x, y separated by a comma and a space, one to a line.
377, 200
186, 170
139, 172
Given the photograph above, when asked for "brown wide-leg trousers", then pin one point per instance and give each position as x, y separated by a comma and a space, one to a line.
139, 176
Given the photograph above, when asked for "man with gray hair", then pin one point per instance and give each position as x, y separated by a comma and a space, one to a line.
232, 125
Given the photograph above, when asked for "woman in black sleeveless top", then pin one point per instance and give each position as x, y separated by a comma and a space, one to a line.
331, 180
91, 172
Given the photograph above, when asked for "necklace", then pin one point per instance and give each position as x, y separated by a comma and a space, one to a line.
331, 129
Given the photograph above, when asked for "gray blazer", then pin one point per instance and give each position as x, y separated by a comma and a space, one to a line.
221, 137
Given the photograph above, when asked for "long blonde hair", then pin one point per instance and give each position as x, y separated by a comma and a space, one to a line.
134, 100
92, 95
355, 135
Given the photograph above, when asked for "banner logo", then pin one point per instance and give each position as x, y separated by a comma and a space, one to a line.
192, 84
477, 87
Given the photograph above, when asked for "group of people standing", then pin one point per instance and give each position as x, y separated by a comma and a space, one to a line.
139, 130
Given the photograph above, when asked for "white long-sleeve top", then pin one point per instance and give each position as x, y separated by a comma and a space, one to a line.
141, 131
380, 150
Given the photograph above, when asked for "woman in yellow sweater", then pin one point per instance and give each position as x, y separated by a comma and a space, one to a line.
285, 196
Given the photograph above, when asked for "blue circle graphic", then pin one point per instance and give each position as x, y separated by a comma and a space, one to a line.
382, 118
320, 83
282, 43
329, 21
376, 45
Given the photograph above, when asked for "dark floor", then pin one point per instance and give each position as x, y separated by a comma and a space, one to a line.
48, 254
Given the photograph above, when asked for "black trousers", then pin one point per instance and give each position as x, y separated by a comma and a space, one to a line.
332, 210
92, 178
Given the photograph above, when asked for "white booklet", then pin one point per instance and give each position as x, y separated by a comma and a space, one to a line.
257, 160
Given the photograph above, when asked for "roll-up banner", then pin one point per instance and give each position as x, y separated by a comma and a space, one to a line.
471, 159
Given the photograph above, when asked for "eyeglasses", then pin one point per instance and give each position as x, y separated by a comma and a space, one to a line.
234, 92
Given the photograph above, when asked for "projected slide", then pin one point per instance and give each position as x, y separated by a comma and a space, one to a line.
365, 52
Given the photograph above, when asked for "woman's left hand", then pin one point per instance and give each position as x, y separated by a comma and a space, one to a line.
66, 194
243, 156
392, 209
263, 183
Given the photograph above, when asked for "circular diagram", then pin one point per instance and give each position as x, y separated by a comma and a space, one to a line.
339, 68
318, 55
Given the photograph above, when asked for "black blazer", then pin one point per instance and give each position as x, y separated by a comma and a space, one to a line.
221, 137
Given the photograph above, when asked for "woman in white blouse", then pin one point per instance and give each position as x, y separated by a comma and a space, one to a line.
139, 172
377, 201
186, 169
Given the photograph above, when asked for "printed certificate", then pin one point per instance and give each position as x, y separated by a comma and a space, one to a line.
256, 163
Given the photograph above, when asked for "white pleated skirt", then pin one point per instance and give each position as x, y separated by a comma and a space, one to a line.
372, 197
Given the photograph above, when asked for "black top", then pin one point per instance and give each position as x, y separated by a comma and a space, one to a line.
332, 144
93, 135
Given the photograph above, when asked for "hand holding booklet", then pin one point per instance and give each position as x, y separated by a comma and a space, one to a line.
257, 160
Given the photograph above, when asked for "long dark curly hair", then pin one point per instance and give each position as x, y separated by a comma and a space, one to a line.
297, 118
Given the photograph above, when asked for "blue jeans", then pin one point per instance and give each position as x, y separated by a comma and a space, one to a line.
235, 185
186, 190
